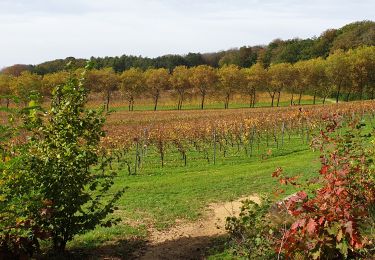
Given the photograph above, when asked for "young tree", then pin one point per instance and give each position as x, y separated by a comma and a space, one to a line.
317, 79
51, 80
132, 85
156, 81
362, 64
371, 72
203, 78
25, 85
5, 88
281, 78
231, 79
20, 201
180, 82
256, 79
63, 153
104, 81
303, 77
338, 71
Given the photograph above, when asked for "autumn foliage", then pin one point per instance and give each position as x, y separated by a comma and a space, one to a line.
331, 216
332, 221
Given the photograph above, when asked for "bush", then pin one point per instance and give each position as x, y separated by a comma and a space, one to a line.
20, 202
253, 232
332, 222
52, 182
336, 221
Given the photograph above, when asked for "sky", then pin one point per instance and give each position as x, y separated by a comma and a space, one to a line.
34, 31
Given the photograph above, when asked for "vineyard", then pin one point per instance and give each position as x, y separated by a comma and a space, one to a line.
180, 138
143, 172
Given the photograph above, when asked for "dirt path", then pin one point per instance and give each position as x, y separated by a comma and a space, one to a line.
190, 240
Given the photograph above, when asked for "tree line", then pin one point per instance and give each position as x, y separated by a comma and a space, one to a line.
342, 75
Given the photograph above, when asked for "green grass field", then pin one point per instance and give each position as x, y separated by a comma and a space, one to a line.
214, 105
157, 197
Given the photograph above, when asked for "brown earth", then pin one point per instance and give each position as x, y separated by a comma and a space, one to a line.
190, 240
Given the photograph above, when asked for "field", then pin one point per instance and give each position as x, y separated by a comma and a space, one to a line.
185, 171
193, 138
168, 101
197, 170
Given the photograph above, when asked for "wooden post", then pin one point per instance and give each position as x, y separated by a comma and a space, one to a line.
214, 139
282, 133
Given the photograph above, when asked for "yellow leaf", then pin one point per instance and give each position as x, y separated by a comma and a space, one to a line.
339, 235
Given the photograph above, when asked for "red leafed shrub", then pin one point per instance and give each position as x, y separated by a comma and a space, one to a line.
337, 220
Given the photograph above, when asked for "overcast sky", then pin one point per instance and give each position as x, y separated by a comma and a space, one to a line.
33, 31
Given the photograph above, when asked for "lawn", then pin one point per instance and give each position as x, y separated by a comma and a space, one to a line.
157, 197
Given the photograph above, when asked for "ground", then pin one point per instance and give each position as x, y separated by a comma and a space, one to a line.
174, 212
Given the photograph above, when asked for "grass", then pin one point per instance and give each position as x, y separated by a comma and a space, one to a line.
212, 105
169, 102
159, 196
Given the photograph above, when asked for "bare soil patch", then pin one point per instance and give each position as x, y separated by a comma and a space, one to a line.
190, 240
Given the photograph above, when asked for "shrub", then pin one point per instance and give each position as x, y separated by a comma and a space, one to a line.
253, 232
335, 221
52, 183
20, 201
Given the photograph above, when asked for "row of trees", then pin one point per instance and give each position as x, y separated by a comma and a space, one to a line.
342, 74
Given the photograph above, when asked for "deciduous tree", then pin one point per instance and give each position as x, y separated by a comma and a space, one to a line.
104, 81
156, 81
203, 78
180, 82
231, 79
281, 78
338, 71
132, 85
25, 85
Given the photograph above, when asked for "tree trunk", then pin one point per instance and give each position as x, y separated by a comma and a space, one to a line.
291, 99
108, 98
338, 93
299, 98
324, 100
272, 99
59, 245
8, 101
254, 96
227, 101
202, 102
347, 96
156, 98
314, 98
278, 98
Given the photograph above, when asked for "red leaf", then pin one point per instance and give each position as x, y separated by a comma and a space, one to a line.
277, 172
302, 195
321, 220
324, 169
349, 228
310, 227
298, 223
